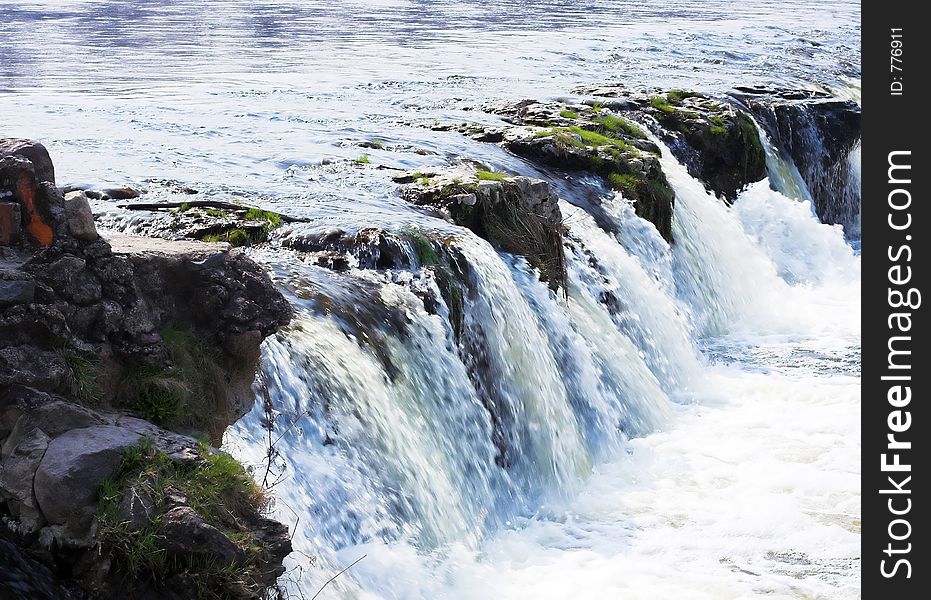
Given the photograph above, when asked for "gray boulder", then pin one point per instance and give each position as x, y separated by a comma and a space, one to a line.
80, 217
69, 476
17, 471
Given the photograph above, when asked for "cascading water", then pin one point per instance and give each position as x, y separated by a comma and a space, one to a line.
432, 452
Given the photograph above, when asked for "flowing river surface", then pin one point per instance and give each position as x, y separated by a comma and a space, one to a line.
701, 443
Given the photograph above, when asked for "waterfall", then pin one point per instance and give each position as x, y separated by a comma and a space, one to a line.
400, 437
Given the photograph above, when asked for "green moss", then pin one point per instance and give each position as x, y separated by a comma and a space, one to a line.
609, 124
662, 105
215, 486
451, 291
215, 212
677, 96
719, 120
568, 114
490, 176
238, 237
185, 206
363, 160
423, 248
624, 182
271, 219
717, 130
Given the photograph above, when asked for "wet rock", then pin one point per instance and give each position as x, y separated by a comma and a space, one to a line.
818, 135
519, 215
32, 151
80, 218
578, 137
718, 143
74, 465
369, 247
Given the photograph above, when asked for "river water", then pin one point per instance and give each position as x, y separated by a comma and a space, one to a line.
702, 443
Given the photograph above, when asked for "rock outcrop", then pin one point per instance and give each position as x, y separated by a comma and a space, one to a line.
114, 353
817, 132
586, 138
518, 215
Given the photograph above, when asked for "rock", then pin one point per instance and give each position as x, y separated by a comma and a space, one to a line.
573, 137
24, 578
137, 508
11, 222
80, 218
119, 193
519, 215
717, 142
818, 134
69, 476
34, 152
27, 366
16, 288
17, 472
183, 533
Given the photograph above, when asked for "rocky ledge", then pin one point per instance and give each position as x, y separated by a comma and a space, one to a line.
121, 361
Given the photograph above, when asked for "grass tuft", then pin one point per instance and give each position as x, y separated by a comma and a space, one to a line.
216, 486
490, 176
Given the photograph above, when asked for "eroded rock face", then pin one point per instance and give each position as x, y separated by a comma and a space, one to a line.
91, 329
519, 215
818, 133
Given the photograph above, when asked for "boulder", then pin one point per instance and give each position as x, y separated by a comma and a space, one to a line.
72, 469
519, 215
17, 472
80, 218
16, 287
32, 151
183, 533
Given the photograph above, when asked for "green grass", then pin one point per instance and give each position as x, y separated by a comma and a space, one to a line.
188, 393
216, 487
363, 160
83, 377
662, 105
490, 176
568, 114
215, 212
612, 124
185, 206
716, 130
272, 219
